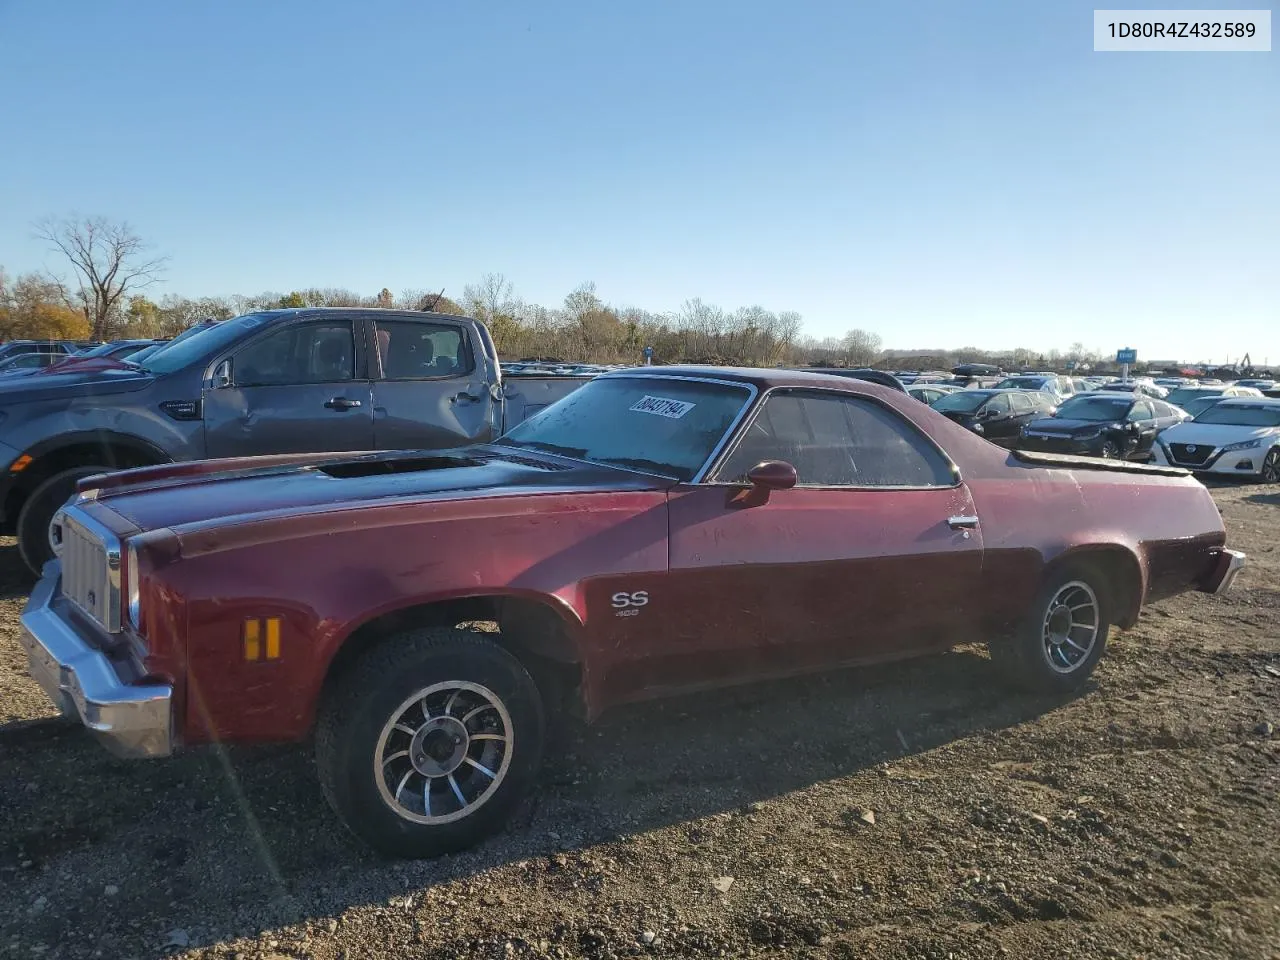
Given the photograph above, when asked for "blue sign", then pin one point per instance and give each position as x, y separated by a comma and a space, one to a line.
1127, 355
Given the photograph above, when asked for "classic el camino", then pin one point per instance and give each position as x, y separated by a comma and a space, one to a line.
659, 530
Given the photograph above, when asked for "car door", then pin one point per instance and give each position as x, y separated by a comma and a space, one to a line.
998, 423
430, 389
876, 553
1024, 411
1140, 442
296, 388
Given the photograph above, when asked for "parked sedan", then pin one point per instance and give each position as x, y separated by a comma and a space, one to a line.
1115, 426
1184, 395
928, 393
1057, 387
997, 415
1238, 438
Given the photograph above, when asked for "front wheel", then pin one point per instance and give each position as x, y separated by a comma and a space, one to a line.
1063, 635
1271, 466
429, 741
34, 544
1110, 450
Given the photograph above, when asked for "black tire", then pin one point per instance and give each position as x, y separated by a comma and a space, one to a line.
38, 510
377, 691
1032, 660
1270, 472
1110, 450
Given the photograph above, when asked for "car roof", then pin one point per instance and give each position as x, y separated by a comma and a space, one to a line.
759, 377
1250, 402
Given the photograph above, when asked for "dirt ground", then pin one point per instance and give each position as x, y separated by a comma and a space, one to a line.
917, 810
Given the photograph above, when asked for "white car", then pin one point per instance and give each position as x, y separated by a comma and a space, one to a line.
1236, 438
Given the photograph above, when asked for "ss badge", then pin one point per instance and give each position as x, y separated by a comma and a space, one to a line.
629, 604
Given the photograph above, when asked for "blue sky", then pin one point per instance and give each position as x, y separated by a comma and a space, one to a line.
940, 173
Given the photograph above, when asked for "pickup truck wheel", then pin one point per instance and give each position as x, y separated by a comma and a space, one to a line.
1063, 636
38, 510
427, 744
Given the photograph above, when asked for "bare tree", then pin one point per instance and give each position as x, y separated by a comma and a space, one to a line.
109, 259
861, 348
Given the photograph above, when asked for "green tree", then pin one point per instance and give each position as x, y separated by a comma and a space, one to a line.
294, 300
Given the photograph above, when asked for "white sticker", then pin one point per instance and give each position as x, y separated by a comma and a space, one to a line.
662, 407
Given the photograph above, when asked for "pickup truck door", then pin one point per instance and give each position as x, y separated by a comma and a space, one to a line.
875, 554
431, 386
295, 389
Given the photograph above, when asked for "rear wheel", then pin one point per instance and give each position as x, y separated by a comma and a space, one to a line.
37, 513
429, 742
1063, 636
1271, 466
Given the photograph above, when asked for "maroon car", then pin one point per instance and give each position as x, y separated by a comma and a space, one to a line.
659, 530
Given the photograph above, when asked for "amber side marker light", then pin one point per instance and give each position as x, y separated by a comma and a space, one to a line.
20, 464
255, 628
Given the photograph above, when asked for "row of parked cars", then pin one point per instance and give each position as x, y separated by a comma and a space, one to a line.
25, 357
1230, 429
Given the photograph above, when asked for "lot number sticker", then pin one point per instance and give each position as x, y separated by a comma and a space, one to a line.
662, 407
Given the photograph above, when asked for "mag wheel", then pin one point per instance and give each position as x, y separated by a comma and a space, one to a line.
1063, 635
429, 741
1110, 450
1271, 466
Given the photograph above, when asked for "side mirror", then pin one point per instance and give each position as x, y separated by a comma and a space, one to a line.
222, 375
764, 479
773, 475
1134, 427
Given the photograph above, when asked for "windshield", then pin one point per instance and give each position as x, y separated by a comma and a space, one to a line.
1021, 383
1180, 397
1242, 415
966, 401
1099, 409
649, 424
194, 344
1198, 406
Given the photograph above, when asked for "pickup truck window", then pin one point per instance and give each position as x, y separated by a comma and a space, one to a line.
182, 351
668, 427
321, 352
837, 441
409, 350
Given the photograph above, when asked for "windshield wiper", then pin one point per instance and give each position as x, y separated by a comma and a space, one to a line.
576, 452
643, 465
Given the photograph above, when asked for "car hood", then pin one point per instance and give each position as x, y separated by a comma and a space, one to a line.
49, 384
1066, 428
1214, 434
215, 493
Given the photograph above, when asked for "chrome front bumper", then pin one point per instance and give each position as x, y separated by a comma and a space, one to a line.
131, 720
1228, 566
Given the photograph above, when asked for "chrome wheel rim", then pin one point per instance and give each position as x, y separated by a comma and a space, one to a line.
1070, 628
444, 752
1271, 467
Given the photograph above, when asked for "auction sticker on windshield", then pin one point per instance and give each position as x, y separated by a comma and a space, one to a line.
662, 407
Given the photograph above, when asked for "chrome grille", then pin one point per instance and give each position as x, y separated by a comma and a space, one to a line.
90, 556
1191, 453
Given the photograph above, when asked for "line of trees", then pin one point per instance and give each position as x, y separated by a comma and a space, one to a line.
111, 267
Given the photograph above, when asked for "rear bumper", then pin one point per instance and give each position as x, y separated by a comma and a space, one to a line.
130, 719
1227, 565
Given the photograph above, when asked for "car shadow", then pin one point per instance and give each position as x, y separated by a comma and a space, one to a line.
251, 824
15, 580
1264, 499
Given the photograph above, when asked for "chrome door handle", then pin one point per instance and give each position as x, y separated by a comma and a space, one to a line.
341, 403
962, 523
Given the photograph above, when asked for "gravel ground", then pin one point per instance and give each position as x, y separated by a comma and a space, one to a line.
917, 810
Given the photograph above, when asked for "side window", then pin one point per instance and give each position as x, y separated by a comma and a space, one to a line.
999, 403
303, 353
1141, 411
1021, 403
838, 441
409, 350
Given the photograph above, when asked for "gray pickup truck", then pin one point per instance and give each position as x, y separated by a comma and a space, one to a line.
281, 381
